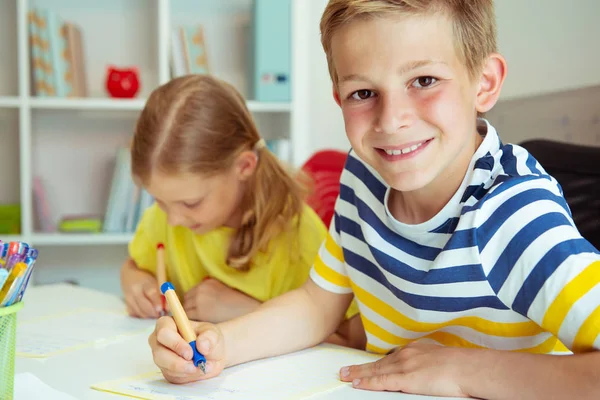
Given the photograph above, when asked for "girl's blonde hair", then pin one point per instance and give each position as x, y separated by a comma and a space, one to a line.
198, 124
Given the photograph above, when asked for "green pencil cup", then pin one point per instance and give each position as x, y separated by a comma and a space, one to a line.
8, 341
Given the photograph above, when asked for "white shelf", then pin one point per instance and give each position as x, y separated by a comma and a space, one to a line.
78, 239
122, 104
9, 102
87, 104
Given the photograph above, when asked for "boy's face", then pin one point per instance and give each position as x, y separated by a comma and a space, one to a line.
408, 102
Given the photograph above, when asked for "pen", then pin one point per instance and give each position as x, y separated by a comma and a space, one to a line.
3, 276
183, 323
161, 273
12, 282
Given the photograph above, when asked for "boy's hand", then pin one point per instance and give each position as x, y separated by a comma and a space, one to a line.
213, 301
417, 368
173, 355
142, 297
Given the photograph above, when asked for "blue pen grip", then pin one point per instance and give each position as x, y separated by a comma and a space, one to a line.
198, 357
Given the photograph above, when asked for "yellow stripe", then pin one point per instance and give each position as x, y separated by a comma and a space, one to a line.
503, 329
588, 332
333, 248
451, 340
573, 291
330, 275
374, 349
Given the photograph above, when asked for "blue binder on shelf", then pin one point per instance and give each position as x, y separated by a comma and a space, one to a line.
271, 50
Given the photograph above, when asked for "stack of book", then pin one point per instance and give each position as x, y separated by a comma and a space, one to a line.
56, 55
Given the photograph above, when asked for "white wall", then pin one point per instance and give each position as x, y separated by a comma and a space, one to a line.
550, 45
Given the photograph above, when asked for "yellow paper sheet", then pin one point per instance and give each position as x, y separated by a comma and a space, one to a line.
60, 333
289, 377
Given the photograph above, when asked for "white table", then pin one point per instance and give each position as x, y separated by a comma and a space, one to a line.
74, 372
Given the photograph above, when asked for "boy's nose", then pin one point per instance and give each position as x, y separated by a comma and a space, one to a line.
394, 114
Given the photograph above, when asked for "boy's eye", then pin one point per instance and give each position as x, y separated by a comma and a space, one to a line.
424, 81
362, 94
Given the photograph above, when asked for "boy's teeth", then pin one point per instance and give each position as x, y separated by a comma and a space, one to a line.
403, 151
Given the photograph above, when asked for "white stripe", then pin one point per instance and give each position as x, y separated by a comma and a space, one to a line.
577, 315
466, 333
374, 340
320, 281
455, 289
530, 258
386, 296
568, 269
331, 261
512, 226
597, 343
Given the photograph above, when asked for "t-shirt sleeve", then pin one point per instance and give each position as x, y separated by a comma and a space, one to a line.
329, 270
538, 263
150, 231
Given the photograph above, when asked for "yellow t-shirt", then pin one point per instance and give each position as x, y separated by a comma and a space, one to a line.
190, 257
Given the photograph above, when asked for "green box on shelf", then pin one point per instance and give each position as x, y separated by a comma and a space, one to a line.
10, 219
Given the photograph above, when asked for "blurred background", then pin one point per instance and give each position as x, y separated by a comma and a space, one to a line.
74, 74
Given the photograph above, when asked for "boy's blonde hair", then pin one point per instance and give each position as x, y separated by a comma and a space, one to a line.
198, 124
474, 23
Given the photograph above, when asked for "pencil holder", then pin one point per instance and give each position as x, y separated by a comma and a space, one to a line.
8, 339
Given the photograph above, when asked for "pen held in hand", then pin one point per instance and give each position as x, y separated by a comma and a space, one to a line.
183, 323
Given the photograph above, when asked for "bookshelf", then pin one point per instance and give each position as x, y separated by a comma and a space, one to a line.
71, 143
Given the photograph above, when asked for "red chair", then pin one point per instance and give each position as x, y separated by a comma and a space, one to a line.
325, 168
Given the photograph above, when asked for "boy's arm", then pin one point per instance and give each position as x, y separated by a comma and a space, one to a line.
293, 321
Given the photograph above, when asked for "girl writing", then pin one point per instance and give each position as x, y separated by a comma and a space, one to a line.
233, 222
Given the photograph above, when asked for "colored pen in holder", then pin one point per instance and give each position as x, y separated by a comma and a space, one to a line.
183, 323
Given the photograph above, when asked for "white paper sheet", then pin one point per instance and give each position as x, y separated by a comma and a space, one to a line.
47, 336
295, 376
30, 387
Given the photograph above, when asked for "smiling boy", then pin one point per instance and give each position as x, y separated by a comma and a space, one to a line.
460, 250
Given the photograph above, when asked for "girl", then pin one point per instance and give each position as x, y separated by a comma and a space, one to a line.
235, 228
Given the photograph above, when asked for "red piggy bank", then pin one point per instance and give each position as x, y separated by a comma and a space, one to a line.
122, 82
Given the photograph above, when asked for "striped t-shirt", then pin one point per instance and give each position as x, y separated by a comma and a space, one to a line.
502, 266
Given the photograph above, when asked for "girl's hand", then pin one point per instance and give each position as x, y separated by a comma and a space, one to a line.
417, 368
213, 301
173, 355
140, 290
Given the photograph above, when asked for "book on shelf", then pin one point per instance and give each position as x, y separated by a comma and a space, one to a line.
188, 51
126, 201
56, 55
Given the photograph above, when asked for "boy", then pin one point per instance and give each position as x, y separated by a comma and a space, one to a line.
444, 235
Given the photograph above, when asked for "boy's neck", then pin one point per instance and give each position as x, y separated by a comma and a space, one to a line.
421, 205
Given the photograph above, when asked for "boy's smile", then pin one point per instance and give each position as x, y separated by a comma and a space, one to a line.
409, 104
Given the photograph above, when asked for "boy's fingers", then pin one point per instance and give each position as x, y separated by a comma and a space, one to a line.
209, 342
379, 367
167, 336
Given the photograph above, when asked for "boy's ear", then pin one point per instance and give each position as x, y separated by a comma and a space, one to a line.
246, 165
490, 83
336, 96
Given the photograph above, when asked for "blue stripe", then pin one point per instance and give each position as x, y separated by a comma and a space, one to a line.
544, 270
461, 273
367, 215
476, 191
509, 161
447, 227
336, 221
519, 243
462, 239
509, 183
531, 164
375, 186
497, 219
485, 163
421, 302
